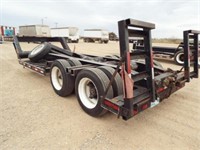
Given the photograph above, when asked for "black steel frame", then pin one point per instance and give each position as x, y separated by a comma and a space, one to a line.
191, 52
139, 29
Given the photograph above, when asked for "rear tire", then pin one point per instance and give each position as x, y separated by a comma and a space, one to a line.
179, 57
86, 40
90, 85
39, 52
61, 81
106, 42
74, 62
100, 41
117, 84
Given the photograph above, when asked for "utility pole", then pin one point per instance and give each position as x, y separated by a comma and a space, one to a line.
43, 20
56, 24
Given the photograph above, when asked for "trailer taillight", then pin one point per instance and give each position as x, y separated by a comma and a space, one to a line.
145, 106
160, 90
135, 111
115, 107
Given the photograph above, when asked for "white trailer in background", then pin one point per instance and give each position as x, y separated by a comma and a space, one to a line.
92, 35
71, 34
34, 30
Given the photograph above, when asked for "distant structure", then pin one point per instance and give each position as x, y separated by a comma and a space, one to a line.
113, 36
71, 34
35, 30
92, 35
6, 33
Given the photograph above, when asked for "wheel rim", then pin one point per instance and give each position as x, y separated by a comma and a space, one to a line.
37, 49
57, 78
88, 93
180, 58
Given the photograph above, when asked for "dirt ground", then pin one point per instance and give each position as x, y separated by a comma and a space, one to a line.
32, 116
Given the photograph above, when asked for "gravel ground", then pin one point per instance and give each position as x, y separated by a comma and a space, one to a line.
32, 116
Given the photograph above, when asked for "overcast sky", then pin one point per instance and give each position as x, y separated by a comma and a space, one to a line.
170, 16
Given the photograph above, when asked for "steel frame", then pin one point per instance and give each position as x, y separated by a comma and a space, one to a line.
191, 53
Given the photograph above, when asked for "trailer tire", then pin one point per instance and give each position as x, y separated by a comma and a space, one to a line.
61, 81
179, 57
39, 52
106, 42
74, 62
86, 40
90, 85
117, 84
100, 41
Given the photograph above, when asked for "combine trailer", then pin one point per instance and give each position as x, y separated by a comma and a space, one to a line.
124, 86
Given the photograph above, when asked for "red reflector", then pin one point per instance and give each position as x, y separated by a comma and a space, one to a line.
111, 105
135, 112
144, 106
160, 90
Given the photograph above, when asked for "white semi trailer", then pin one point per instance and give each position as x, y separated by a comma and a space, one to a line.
71, 34
92, 35
34, 30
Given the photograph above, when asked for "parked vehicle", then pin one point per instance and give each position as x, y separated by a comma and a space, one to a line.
92, 35
7, 33
176, 53
34, 30
71, 34
124, 85
173, 52
113, 37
